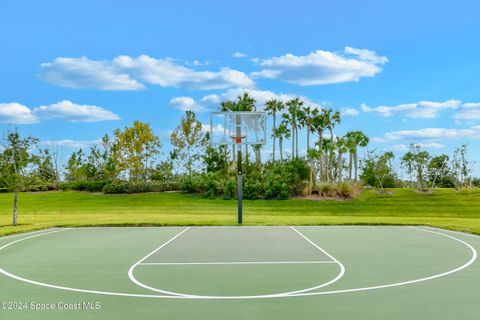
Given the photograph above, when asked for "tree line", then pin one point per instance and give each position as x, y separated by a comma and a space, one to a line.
131, 160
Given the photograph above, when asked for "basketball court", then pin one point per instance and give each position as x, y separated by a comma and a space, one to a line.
349, 272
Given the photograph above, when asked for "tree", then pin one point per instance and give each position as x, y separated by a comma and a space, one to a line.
74, 168
378, 171
331, 120
214, 157
294, 107
306, 118
187, 139
163, 171
281, 133
272, 107
112, 158
137, 145
319, 125
17, 162
342, 147
439, 172
408, 163
46, 169
461, 167
243, 103
420, 160
355, 139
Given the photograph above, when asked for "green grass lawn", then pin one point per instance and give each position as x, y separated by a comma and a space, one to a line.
446, 208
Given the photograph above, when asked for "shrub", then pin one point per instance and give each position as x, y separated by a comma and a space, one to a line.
252, 189
209, 185
326, 189
188, 185
40, 186
140, 187
230, 189
90, 186
276, 187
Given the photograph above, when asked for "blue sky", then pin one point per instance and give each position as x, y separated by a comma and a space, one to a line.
404, 71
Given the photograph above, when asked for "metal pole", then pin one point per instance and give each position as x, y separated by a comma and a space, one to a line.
239, 184
238, 134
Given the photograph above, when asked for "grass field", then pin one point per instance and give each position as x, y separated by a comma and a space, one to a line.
446, 208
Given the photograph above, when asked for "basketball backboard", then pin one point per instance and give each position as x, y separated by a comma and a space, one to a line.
244, 127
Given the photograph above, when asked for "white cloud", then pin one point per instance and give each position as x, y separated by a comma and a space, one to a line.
404, 147
186, 104
349, 112
468, 112
67, 110
367, 55
239, 55
431, 134
218, 129
130, 73
212, 101
322, 67
422, 109
80, 73
16, 113
67, 143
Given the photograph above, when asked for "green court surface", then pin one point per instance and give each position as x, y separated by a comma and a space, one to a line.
348, 272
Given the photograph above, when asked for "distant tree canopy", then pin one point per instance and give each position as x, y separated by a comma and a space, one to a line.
130, 159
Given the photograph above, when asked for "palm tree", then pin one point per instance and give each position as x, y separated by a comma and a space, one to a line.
331, 120
328, 147
341, 146
306, 118
258, 155
294, 107
272, 107
318, 125
355, 139
281, 133
244, 103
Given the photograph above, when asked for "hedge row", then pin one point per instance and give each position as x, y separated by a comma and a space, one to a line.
119, 187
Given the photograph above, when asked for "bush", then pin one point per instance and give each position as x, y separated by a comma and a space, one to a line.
252, 189
190, 185
276, 187
209, 185
326, 189
140, 187
41, 186
90, 186
230, 189
349, 189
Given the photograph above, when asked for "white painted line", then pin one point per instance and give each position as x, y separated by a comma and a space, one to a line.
25, 233
138, 283
186, 295
230, 263
453, 231
398, 284
338, 277
34, 236
153, 296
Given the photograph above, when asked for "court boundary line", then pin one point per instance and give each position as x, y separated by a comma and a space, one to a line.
26, 233
152, 296
232, 263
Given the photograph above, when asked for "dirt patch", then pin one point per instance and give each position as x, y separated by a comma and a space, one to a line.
423, 191
385, 192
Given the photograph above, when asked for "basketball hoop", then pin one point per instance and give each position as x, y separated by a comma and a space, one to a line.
243, 128
237, 140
